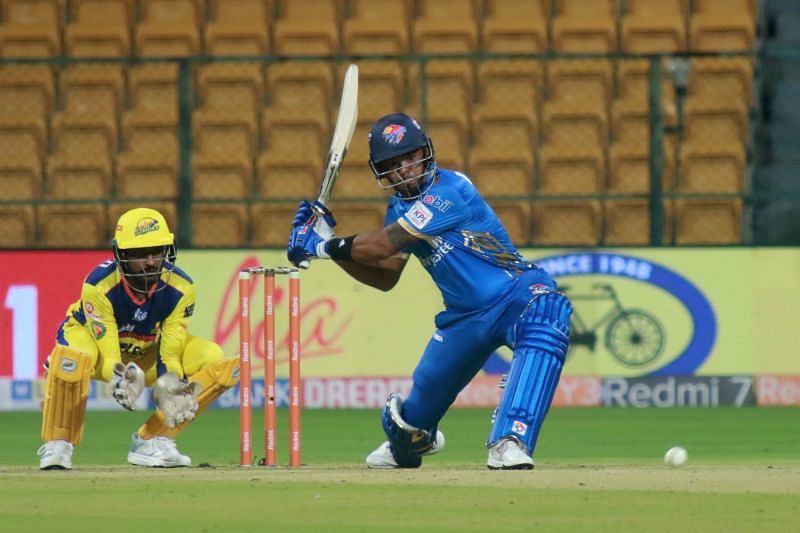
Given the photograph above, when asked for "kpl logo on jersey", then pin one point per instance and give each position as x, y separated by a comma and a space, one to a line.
437, 201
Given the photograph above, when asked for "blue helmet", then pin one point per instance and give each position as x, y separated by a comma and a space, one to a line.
396, 135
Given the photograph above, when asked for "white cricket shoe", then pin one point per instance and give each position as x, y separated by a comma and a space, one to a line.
509, 454
158, 451
55, 455
382, 456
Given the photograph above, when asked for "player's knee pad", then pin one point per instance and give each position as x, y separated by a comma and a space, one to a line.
539, 354
216, 378
66, 391
408, 443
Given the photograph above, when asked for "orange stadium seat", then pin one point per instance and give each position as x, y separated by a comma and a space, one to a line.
153, 91
722, 25
148, 165
99, 28
585, 25
31, 28
501, 159
449, 89
711, 167
300, 89
516, 218
579, 84
566, 223
633, 88
20, 165
224, 147
376, 27
708, 221
17, 226
449, 138
231, 87
26, 99
297, 33
576, 169
272, 223
627, 222
381, 89
650, 26
169, 28
445, 27
80, 165
509, 89
239, 27
355, 218
220, 225
721, 82
291, 163
515, 26
73, 225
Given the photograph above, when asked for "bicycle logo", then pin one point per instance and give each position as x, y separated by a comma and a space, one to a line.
632, 336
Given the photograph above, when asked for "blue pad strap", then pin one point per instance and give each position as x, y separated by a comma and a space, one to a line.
408, 443
539, 354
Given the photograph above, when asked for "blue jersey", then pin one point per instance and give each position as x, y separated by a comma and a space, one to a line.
462, 243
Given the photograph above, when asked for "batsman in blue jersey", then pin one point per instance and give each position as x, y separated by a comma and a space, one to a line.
492, 297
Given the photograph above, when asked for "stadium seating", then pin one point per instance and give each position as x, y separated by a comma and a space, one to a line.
272, 223
169, 28
99, 28
73, 225
516, 217
238, 27
297, 33
515, 26
376, 27
708, 221
585, 25
566, 223
31, 28
718, 25
220, 225
627, 222
17, 226
650, 26
445, 27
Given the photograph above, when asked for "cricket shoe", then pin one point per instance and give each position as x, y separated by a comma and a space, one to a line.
158, 451
382, 456
509, 454
55, 455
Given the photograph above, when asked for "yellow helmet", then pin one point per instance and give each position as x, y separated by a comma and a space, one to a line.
142, 228
143, 249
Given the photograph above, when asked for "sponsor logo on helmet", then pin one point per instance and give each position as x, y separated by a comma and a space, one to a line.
394, 133
68, 365
145, 225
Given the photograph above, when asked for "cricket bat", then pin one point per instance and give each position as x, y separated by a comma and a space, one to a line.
342, 134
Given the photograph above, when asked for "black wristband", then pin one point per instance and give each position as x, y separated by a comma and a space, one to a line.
340, 249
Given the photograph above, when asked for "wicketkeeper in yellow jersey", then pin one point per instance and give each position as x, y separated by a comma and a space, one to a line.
130, 329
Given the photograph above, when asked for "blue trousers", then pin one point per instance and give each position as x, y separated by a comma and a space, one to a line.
461, 346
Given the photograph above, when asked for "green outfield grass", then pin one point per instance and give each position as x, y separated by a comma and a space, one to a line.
597, 469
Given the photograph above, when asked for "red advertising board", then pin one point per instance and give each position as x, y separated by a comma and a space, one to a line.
36, 287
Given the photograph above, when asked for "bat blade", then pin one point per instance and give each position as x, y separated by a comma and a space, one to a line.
342, 133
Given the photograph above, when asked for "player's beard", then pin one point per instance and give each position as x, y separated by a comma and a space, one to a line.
145, 281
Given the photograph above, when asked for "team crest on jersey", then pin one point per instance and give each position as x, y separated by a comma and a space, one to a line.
98, 329
145, 225
139, 315
189, 311
520, 428
437, 201
419, 215
394, 133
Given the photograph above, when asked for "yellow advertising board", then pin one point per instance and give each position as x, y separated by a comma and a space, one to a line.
638, 312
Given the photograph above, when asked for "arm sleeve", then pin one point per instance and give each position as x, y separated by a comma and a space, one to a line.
102, 324
174, 331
